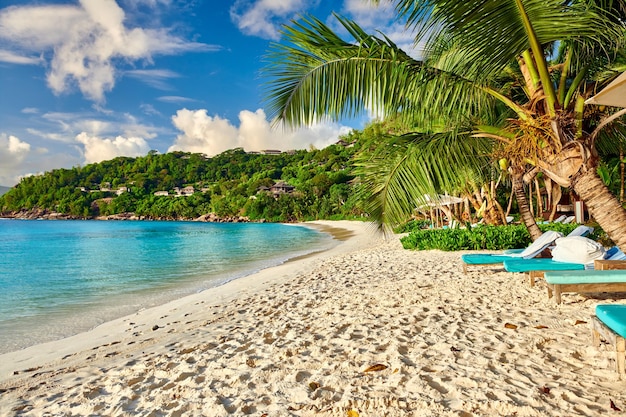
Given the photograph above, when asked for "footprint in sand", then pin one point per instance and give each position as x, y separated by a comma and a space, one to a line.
434, 385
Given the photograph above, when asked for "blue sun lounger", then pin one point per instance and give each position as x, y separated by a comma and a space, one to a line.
609, 325
536, 267
540, 264
544, 241
585, 281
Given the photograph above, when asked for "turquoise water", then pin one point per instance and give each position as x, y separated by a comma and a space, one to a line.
58, 278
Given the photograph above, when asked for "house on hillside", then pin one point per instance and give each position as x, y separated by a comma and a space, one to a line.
277, 189
345, 144
184, 192
281, 187
121, 190
105, 187
161, 193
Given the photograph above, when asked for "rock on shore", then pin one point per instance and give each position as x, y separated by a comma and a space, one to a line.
44, 214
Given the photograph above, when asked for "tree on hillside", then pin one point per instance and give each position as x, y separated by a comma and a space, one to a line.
533, 61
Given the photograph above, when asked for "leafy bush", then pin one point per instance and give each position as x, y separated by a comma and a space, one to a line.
477, 237
600, 236
413, 225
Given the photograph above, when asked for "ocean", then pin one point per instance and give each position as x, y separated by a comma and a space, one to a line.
59, 278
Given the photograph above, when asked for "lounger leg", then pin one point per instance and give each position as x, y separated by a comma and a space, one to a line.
549, 291
464, 268
557, 294
620, 346
595, 337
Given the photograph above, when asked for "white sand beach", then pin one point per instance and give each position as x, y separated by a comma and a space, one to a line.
365, 329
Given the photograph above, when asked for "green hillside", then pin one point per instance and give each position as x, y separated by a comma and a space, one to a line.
295, 186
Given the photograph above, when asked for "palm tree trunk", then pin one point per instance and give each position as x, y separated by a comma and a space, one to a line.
539, 202
547, 182
529, 199
510, 204
449, 214
524, 209
556, 198
621, 175
602, 205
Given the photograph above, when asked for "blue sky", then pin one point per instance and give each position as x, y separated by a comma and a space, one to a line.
82, 81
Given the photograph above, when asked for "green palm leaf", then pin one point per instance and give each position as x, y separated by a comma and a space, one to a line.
400, 174
495, 33
315, 75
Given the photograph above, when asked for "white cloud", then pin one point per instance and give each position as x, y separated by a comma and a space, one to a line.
149, 109
369, 14
175, 99
98, 149
13, 151
154, 78
381, 18
14, 58
202, 133
132, 127
17, 147
30, 110
153, 4
64, 127
87, 42
263, 17
57, 137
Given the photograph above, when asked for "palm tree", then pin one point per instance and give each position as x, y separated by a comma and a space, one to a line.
408, 168
532, 61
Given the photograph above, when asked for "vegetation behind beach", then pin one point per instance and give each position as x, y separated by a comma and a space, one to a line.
177, 185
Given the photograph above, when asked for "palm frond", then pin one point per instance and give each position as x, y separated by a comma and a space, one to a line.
403, 170
493, 32
612, 139
314, 75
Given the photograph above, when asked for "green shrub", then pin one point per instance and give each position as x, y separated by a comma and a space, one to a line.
477, 237
600, 236
413, 225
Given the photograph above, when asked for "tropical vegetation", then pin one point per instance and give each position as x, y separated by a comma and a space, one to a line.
497, 92
482, 237
228, 185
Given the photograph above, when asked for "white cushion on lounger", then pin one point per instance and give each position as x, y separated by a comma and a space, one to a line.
577, 249
581, 230
538, 245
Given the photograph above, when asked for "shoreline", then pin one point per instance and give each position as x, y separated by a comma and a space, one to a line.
54, 320
366, 328
40, 354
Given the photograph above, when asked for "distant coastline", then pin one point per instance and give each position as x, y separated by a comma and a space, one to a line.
42, 214
282, 188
